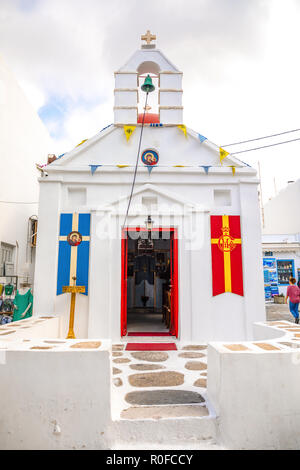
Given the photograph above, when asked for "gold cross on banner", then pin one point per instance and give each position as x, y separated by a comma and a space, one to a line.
148, 37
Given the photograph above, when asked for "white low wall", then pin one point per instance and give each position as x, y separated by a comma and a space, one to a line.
54, 399
255, 390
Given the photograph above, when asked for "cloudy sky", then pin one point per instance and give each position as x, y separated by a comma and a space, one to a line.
240, 60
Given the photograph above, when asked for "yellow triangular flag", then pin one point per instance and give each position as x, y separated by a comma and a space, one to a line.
129, 130
179, 166
223, 154
81, 143
182, 127
233, 169
122, 166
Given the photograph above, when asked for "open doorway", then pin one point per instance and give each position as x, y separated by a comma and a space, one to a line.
149, 282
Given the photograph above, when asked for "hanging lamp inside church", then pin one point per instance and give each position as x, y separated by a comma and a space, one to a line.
148, 86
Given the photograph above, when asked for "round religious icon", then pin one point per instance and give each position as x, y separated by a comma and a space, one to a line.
150, 157
226, 243
74, 238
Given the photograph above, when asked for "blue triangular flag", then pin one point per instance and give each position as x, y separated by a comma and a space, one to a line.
150, 168
94, 168
202, 138
206, 168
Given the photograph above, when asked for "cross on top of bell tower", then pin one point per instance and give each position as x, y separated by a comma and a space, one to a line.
148, 37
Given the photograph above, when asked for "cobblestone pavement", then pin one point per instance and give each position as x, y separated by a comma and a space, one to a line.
278, 312
153, 384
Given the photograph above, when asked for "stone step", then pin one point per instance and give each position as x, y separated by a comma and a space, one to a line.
184, 432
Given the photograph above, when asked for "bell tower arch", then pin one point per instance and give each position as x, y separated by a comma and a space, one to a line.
166, 102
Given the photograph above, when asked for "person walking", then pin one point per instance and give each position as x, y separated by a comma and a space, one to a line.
293, 293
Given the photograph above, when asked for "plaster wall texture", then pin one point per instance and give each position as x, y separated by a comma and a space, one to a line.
256, 397
24, 141
184, 198
68, 407
282, 211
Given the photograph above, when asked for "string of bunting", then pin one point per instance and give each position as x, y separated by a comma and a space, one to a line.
206, 168
202, 138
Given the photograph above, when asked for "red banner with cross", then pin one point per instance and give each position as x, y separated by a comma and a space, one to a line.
226, 252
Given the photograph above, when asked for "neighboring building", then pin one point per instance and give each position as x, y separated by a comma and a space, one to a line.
24, 141
197, 274
281, 240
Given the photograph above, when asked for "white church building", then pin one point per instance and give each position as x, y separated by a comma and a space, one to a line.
176, 253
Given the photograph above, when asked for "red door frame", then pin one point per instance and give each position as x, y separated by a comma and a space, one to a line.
173, 273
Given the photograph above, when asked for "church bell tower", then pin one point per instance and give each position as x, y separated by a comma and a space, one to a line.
128, 95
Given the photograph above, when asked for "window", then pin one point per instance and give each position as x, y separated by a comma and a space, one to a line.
285, 270
222, 197
6, 256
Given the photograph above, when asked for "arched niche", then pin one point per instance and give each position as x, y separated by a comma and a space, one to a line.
148, 67
153, 69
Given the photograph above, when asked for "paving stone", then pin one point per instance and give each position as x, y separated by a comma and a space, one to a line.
150, 356
200, 383
118, 382
204, 374
117, 347
194, 347
156, 379
267, 346
117, 354
121, 360
116, 371
236, 347
195, 365
160, 412
41, 348
191, 355
146, 366
163, 397
86, 345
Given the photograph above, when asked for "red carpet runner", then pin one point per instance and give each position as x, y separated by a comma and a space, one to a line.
148, 334
151, 347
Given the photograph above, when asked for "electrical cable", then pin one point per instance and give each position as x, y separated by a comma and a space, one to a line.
137, 162
260, 138
264, 146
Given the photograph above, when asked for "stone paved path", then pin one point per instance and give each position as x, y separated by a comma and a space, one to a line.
156, 385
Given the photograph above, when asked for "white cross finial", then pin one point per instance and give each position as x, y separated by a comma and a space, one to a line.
148, 37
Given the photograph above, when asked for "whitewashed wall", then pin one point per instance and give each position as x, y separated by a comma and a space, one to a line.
24, 141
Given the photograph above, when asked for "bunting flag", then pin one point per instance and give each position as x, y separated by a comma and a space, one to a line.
179, 166
206, 168
233, 169
223, 154
74, 248
182, 127
85, 140
202, 138
94, 168
122, 166
226, 251
129, 130
156, 124
150, 168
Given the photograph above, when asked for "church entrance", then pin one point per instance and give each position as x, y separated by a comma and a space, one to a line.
149, 302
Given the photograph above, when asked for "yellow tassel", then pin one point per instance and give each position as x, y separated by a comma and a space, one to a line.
129, 130
223, 154
81, 143
183, 129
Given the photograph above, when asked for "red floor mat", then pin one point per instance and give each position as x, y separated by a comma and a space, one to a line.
151, 347
148, 334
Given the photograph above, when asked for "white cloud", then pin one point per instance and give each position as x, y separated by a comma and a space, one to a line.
239, 60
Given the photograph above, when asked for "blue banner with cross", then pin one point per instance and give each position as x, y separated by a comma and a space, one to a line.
73, 253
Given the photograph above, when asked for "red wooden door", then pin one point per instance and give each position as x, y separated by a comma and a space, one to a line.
174, 283
124, 256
